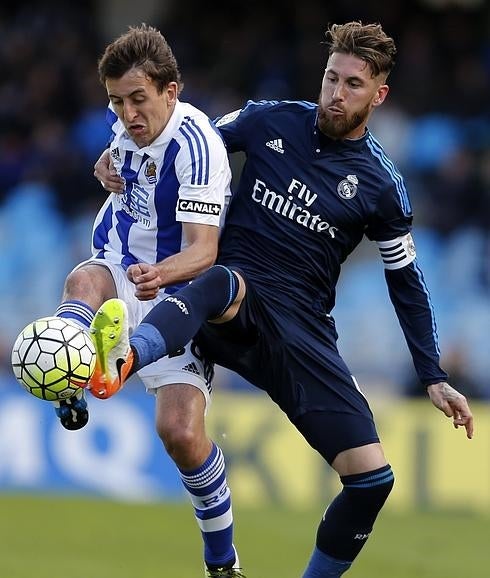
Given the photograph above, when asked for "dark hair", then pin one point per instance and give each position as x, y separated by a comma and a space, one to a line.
366, 41
141, 47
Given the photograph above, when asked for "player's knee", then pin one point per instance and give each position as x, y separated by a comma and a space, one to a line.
219, 287
180, 440
88, 283
219, 272
76, 283
369, 491
348, 521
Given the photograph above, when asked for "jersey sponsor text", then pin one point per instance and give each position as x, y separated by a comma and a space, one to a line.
198, 207
285, 205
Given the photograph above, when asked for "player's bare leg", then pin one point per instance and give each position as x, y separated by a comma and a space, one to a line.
86, 288
180, 424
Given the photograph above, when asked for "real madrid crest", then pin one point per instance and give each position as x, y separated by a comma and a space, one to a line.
347, 188
410, 245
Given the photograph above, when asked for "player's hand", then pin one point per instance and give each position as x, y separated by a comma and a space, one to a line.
146, 279
453, 404
105, 172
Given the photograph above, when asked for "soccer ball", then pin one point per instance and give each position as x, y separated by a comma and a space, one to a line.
53, 358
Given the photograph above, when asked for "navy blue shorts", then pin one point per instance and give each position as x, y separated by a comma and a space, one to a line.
299, 366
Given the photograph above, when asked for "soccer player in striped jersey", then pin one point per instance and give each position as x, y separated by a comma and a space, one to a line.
315, 181
159, 232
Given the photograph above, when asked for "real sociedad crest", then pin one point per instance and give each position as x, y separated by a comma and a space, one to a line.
151, 172
347, 188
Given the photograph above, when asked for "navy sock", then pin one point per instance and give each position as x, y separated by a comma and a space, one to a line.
147, 344
172, 323
322, 565
349, 519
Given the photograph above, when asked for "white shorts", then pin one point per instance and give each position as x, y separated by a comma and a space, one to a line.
187, 366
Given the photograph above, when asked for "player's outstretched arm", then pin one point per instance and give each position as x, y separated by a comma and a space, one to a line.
453, 404
105, 172
193, 260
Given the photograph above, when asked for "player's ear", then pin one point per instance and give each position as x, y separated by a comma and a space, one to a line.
171, 92
381, 94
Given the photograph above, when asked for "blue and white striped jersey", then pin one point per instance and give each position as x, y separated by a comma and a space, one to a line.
182, 177
304, 202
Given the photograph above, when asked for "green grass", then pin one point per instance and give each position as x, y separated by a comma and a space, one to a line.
82, 538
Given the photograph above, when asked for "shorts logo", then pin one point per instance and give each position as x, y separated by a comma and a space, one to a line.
191, 368
198, 207
347, 188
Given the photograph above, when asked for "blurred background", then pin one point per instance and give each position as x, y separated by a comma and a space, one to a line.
435, 126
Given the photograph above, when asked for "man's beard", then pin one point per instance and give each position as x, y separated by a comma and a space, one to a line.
338, 127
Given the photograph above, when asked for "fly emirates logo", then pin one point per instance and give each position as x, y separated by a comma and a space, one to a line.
295, 206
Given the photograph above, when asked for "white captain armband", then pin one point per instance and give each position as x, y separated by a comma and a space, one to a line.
398, 252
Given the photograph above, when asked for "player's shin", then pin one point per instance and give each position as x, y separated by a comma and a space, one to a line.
348, 521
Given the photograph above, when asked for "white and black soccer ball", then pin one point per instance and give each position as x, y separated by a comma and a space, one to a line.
52, 358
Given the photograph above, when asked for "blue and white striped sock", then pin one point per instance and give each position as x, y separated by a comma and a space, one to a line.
82, 314
211, 499
77, 311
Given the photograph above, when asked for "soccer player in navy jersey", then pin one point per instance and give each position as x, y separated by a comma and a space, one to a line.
162, 230
315, 181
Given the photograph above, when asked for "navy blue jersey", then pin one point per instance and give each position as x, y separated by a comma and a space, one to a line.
304, 202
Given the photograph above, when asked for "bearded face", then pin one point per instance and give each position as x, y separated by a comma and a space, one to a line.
349, 94
339, 125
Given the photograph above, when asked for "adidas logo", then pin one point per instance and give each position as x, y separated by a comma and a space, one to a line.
275, 145
192, 368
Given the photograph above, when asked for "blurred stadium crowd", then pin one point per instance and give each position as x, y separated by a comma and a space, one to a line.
435, 125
